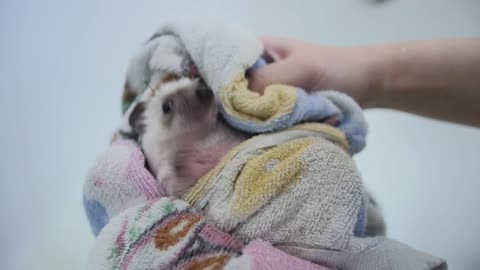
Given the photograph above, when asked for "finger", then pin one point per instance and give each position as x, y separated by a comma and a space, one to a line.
282, 72
278, 46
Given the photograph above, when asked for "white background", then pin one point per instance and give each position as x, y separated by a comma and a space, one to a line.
61, 68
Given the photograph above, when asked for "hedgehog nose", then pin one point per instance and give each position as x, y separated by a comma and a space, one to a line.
204, 93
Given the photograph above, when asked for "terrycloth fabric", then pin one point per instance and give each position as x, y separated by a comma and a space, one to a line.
303, 194
135, 218
166, 234
117, 181
140, 229
297, 189
221, 55
290, 188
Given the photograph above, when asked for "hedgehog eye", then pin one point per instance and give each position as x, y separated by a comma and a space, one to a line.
167, 107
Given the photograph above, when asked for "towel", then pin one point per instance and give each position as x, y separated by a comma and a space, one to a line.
293, 188
136, 227
300, 191
221, 54
139, 228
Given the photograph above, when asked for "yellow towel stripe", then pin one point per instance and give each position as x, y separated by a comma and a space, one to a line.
328, 132
200, 189
239, 101
257, 183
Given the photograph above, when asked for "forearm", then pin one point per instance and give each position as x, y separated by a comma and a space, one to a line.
439, 79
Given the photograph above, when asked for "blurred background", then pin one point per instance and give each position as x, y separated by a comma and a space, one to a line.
62, 67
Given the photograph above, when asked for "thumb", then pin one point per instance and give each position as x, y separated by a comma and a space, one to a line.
281, 72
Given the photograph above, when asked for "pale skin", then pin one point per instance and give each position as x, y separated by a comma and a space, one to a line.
437, 78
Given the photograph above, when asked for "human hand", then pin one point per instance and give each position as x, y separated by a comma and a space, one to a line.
314, 67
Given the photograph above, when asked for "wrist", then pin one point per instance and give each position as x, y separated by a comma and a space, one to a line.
378, 72
390, 73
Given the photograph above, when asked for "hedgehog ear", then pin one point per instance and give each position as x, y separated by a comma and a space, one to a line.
133, 123
136, 118
154, 36
138, 74
128, 96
